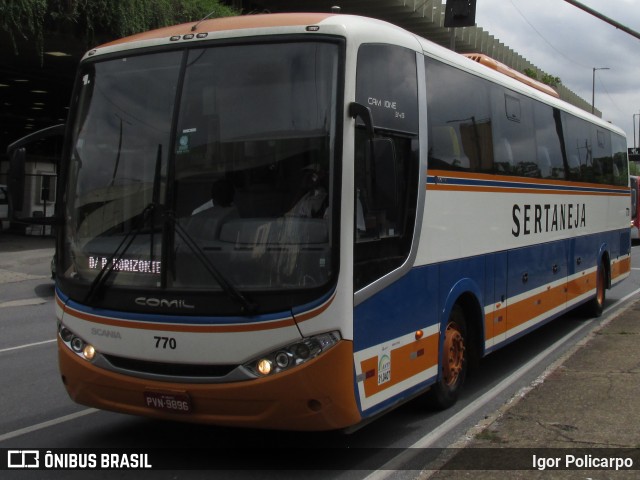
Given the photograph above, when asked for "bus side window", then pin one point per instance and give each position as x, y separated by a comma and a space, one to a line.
459, 119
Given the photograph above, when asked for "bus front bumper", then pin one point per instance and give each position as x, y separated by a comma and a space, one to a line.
318, 395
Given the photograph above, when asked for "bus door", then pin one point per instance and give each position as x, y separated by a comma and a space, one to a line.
496, 311
390, 298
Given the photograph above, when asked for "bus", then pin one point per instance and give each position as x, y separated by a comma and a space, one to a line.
635, 218
301, 221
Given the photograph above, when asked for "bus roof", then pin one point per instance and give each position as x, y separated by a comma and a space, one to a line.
226, 24
369, 29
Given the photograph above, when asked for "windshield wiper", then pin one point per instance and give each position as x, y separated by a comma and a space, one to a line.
131, 235
118, 254
247, 307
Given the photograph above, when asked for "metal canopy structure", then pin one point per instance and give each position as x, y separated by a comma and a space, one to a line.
35, 86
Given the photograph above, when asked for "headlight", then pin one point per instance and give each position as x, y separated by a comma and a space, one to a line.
292, 355
76, 344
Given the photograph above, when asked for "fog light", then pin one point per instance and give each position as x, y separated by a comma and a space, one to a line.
264, 367
77, 344
89, 352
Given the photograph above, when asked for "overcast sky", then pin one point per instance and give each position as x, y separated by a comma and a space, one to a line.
568, 42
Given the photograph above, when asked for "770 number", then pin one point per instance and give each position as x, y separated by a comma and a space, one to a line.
165, 342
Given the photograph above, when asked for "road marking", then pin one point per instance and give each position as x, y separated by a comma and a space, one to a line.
25, 302
27, 345
397, 462
10, 276
49, 423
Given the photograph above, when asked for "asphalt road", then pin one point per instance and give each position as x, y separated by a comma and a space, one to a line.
37, 413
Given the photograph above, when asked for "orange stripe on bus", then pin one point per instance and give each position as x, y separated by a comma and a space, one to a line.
621, 267
505, 189
513, 179
537, 305
495, 323
315, 312
406, 361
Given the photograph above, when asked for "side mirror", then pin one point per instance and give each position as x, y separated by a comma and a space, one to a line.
357, 110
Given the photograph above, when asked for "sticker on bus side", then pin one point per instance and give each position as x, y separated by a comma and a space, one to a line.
384, 369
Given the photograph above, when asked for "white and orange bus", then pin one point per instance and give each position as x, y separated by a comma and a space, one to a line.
300, 221
635, 207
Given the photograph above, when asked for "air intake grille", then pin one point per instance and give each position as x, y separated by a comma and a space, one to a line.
169, 369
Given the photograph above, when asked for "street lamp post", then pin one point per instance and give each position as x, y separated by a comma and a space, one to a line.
635, 145
593, 87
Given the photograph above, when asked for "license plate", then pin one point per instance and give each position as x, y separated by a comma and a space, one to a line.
169, 402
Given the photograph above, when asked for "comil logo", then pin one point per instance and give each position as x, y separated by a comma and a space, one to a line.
23, 459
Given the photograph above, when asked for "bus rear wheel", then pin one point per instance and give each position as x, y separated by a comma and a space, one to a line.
453, 360
596, 305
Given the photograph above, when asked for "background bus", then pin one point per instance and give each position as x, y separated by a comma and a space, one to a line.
308, 219
635, 217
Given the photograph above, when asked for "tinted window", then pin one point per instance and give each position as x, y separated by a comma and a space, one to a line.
620, 161
459, 119
514, 144
478, 126
548, 140
386, 83
602, 155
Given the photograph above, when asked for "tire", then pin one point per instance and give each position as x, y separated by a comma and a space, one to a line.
454, 361
595, 306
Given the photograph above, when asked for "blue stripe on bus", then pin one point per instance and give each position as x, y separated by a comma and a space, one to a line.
476, 182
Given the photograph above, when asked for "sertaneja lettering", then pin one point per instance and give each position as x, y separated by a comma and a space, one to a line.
530, 219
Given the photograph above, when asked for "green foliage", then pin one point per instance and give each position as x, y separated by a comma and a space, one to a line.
116, 19
22, 17
546, 78
93, 21
551, 80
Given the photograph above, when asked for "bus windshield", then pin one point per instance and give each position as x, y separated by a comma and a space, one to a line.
197, 167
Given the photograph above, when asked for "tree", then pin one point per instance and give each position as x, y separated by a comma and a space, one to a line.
546, 78
97, 21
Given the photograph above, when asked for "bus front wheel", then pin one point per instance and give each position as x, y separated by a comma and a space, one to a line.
453, 360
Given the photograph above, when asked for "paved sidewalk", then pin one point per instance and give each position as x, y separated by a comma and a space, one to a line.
589, 400
13, 242
24, 257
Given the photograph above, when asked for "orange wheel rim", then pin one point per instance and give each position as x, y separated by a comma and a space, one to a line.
453, 354
600, 287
